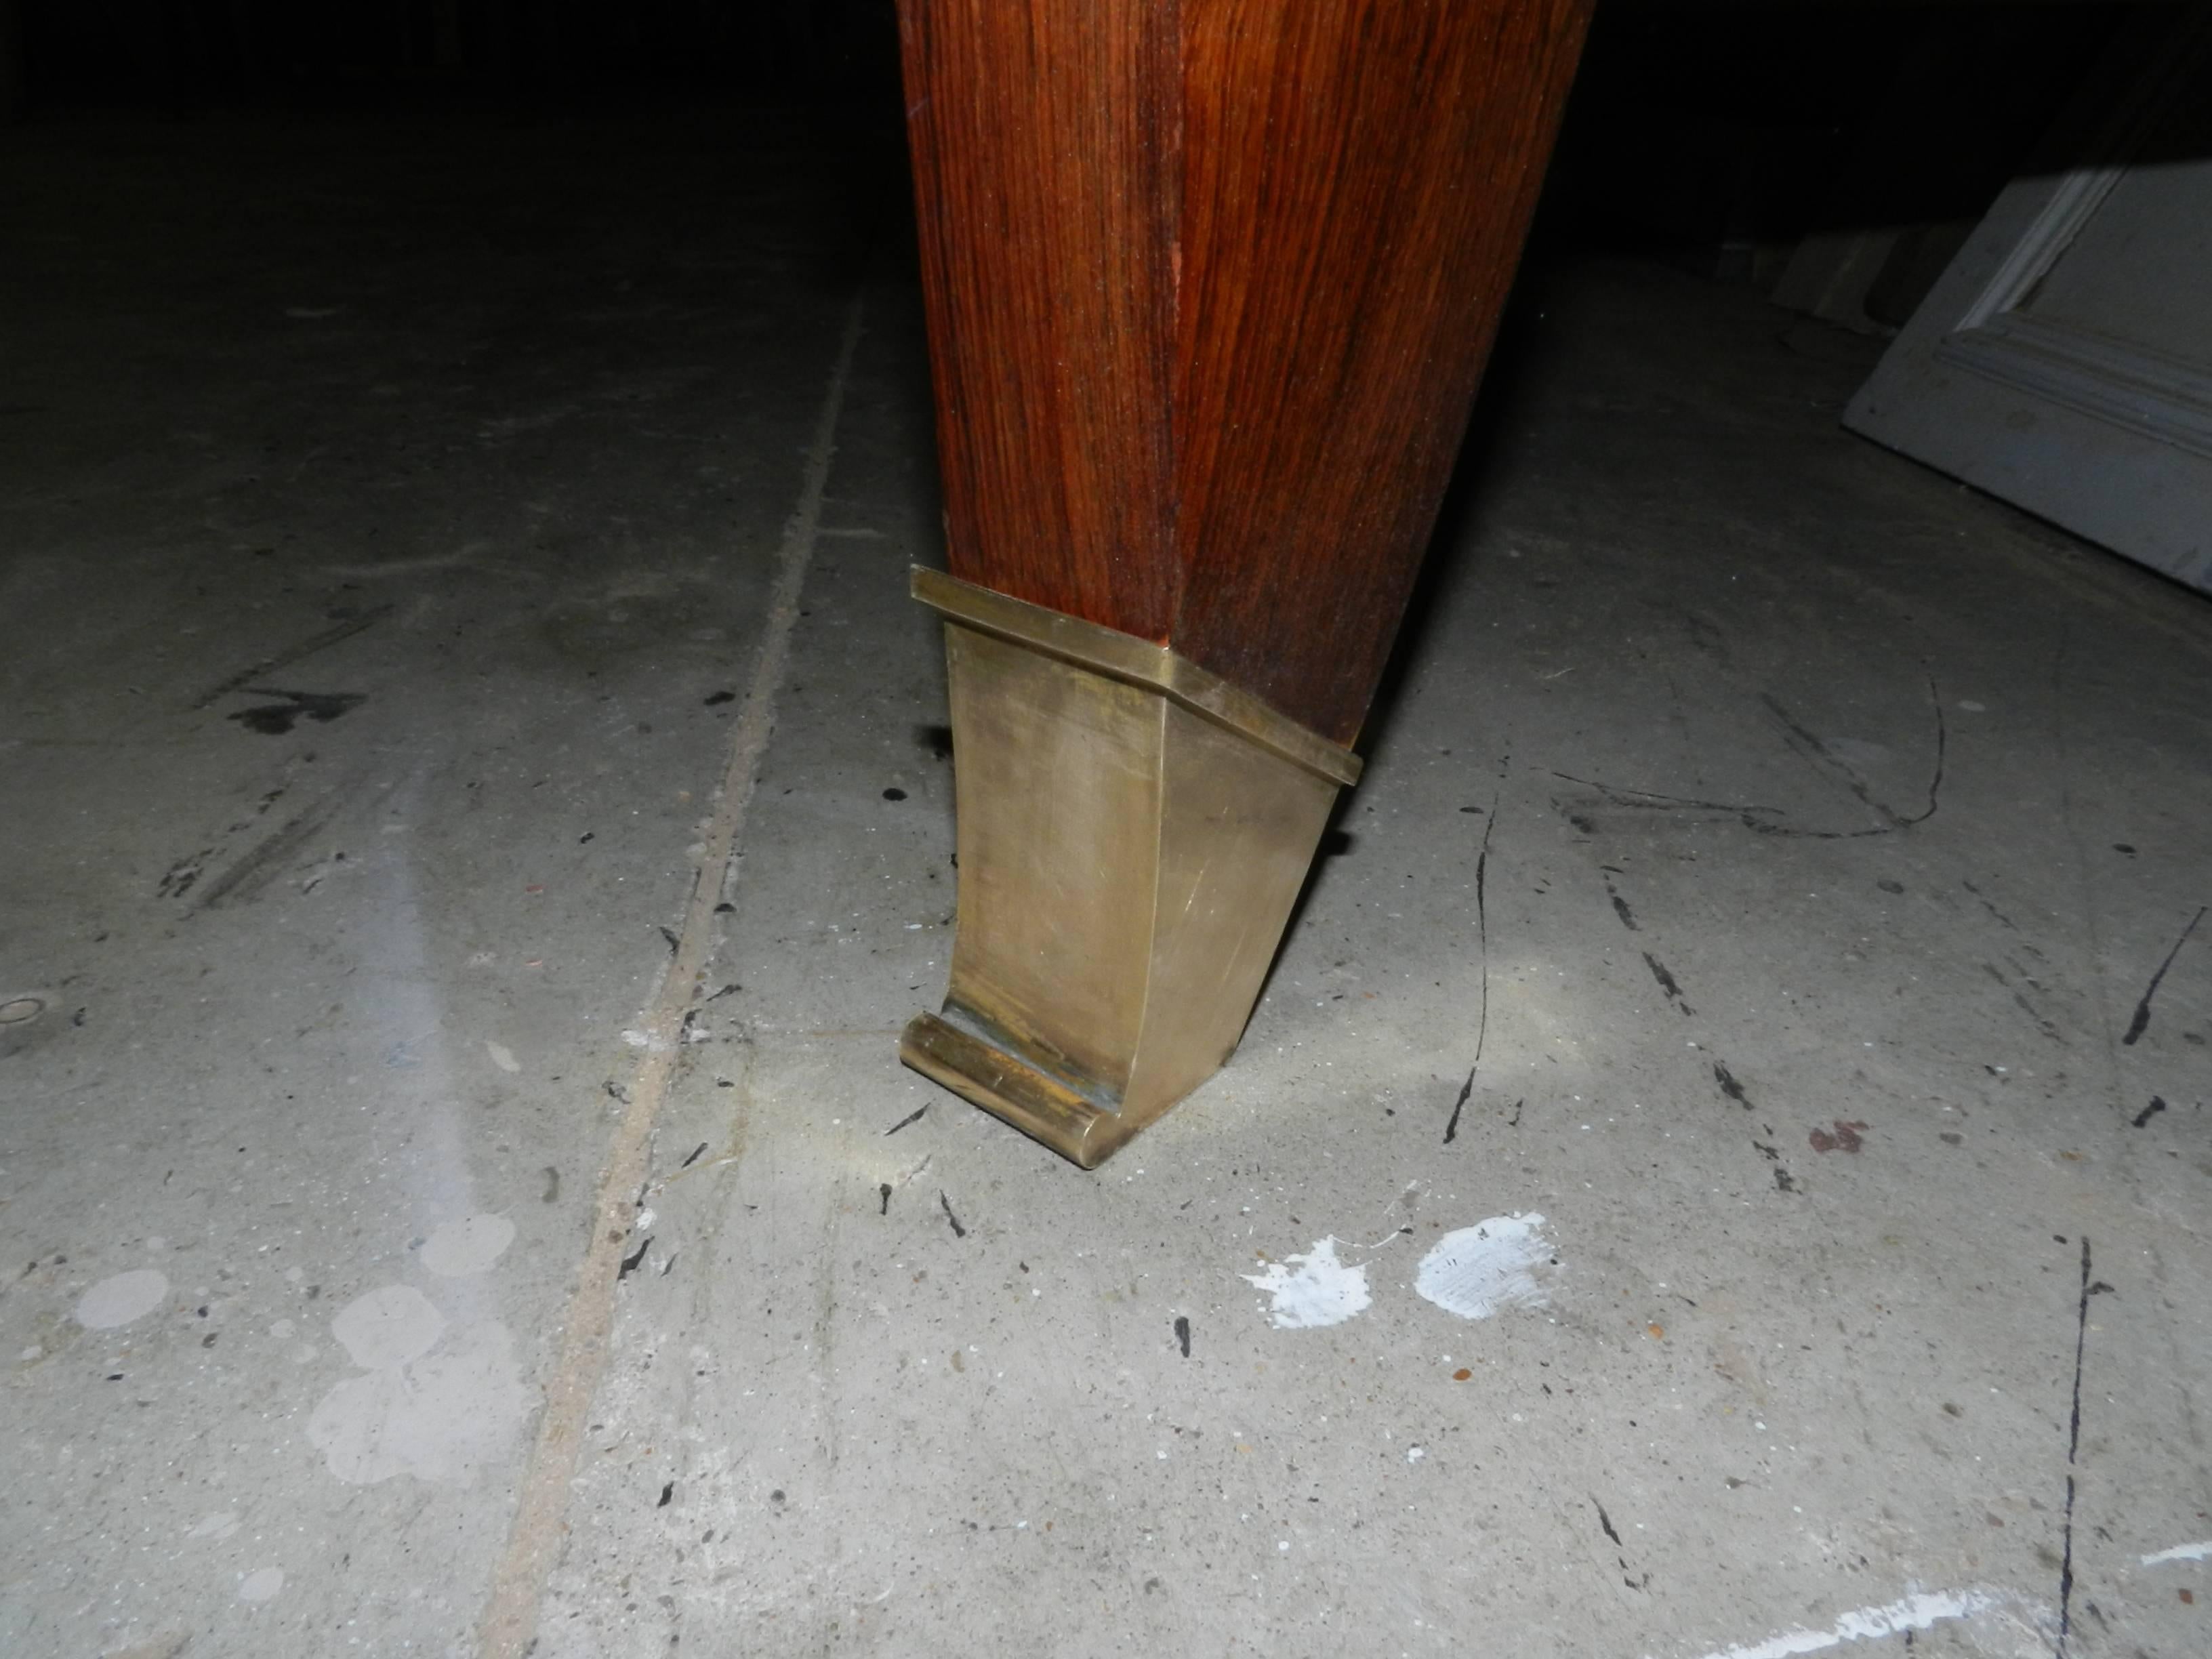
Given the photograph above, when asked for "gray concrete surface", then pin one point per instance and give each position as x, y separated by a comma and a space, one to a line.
1764, 875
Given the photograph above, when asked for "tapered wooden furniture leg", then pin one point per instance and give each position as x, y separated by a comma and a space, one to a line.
1210, 286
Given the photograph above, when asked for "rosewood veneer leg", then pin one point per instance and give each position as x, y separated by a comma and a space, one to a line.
1210, 286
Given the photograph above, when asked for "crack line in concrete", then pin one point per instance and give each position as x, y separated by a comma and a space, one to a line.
535, 1541
1482, 946
2073, 1452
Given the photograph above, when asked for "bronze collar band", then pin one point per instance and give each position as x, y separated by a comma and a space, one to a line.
1136, 662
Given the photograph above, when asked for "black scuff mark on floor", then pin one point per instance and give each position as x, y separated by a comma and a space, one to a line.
958, 1231
1606, 1522
2140, 1021
1667, 983
243, 680
2157, 1105
1466, 1089
180, 877
2020, 1000
1650, 800
667, 1495
2003, 919
1619, 904
1182, 1335
2035, 1015
630, 1264
1729, 1086
1784, 1181
1707, 635
1628, 1574
884, 1197
914, 1116
274, 719
697, 1152
260, 865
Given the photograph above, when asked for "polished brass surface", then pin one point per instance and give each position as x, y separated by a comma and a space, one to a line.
1124, 657
1131, 837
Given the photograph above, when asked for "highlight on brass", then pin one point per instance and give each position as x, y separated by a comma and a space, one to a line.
1132, 832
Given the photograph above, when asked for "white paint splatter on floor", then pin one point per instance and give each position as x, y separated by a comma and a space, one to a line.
261, 1585
2197, 1552
1475, 1271
1321, 1291
219, 1525
470, 1245
388, 1327
502, 1056
439, 1417
118, 1300
435, 1401
1917, 1611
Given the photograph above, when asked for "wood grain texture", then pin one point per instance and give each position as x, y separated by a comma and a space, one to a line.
1046, 209
1210, 286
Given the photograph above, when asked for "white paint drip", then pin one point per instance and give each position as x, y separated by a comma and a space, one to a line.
388, 1327
118, 1300
502, 1056
470, 1245
1916, 1612
2197, 1552
261, 1586
1475, 1271
1322, 1291
439, 1417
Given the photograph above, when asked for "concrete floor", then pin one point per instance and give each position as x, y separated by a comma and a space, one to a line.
455, 1200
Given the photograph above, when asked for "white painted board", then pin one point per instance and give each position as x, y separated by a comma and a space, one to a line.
2064, 361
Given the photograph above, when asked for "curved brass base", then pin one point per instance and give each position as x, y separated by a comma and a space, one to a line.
1133, 833
1008, 1085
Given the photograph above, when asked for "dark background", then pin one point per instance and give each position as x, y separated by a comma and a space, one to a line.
1714, 137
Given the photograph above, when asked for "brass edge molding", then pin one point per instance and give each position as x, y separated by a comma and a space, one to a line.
1013, 1089
1137, 662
